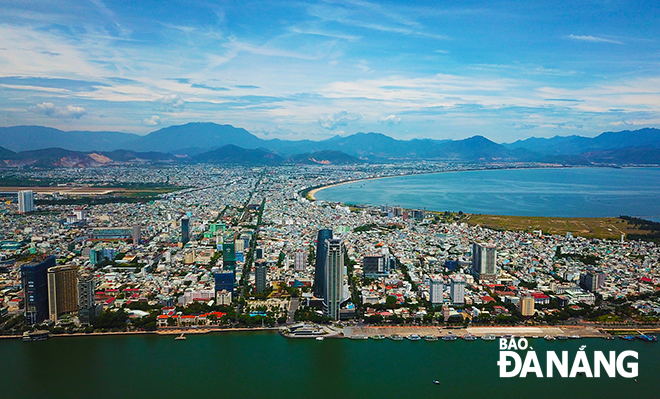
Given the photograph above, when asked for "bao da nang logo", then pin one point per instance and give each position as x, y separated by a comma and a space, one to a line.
518, 359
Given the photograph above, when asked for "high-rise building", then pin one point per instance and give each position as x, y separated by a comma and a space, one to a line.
334, 278
185, 229
373, 266
299, 260
436, 290
258, 253
34, 277
321, 255
526, 305
25, 201
94, 255
228, 254
224, 282
86, 303
484, 261
592, 280
62, 291
136, 234
260, 268
457, 290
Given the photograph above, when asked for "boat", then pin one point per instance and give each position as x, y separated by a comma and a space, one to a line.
535, 336
469, 337
488, 337
508, 336
549, 338
430, 338
180, 337
436, 382
414, 337
562, 337
40, 335
647, 338
627, 337
574, 337
450, 337
396, 337
319, 338
378, 337
358, 337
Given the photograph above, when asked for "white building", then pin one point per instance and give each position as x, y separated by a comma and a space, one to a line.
25, 201
458, 290
436, 289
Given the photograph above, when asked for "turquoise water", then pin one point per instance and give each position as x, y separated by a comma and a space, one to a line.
568, 192
266, 365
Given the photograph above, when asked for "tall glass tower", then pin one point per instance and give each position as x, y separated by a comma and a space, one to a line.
334, 278
321, 254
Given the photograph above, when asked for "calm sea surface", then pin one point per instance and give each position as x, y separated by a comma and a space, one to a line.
266, 365
569, 192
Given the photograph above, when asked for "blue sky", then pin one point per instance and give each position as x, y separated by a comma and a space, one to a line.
298, 69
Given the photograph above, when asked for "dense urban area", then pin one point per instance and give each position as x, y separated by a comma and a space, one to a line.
187, 248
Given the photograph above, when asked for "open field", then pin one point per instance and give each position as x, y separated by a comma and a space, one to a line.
611, 228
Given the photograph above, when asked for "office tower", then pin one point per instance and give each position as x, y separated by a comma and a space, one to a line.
260, 268
62, 291
592, 280
136, 235
25, 201
334, 277
436, 288
228, 254
299, 260
86, 303
457, 290
373, 266
34, 277
185, 229
224, 282
319, 269
94, 255
484, 261
259, 253
526, 305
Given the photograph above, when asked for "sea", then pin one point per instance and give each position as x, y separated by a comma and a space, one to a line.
267, 365
558, 192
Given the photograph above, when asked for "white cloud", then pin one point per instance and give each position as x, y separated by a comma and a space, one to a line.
593, 39
172, 102
390, 120
153, 121
340, 118
53, 111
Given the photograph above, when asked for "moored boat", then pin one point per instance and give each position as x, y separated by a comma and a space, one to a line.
549, 338
450, 337
469, 337
319, 338
396, 337
627, 337
562, 337
488, 337
414, 337
35, 336
378, 337
574, 337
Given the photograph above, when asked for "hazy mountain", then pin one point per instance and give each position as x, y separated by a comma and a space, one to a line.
327, 157
27, 138
201, 137
574, 145
6, 154
231, 154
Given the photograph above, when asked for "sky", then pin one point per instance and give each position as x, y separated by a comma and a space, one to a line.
507, 70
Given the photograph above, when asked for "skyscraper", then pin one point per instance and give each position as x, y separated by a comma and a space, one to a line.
136, 234
260, 268
334, 278
224, 282
373, 266
25, 201
526, 305
436, 288
62, 291
86, 302
484, 261
34, 277
228, 254
299, 260
457, 290
185, 229
321, 255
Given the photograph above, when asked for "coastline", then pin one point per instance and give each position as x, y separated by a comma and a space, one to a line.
311, 194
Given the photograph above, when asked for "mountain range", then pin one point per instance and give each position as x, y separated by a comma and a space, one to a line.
210, 142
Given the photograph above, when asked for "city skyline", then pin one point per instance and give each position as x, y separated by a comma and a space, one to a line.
312, 70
